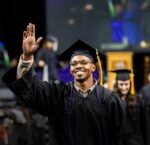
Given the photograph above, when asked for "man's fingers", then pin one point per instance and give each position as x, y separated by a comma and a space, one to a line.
29, 29
24, 34
39, 40
33, 30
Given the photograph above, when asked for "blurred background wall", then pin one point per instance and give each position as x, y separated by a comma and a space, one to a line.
108, 25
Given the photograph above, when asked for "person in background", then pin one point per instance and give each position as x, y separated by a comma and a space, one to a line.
81, 112
132, 21
4, 64
4, 56
145, 90
134, 129
46, 59
145, 7
64, 71
145, 94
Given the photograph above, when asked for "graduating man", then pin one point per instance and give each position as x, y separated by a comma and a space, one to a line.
135, 126
81, 112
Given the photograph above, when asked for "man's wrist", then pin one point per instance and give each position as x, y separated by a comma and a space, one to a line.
26, 57
24, 65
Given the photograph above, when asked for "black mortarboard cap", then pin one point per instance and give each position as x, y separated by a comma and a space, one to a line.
125, 74
122, 74
80, 47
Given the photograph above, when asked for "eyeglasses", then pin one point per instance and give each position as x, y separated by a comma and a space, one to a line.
75, 63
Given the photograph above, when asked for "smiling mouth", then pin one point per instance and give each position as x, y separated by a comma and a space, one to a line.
81, 70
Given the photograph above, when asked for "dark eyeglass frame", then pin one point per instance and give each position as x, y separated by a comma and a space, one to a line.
83, 62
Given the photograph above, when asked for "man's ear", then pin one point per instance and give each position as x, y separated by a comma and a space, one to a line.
93, 67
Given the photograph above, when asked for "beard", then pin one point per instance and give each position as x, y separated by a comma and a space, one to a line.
81, 80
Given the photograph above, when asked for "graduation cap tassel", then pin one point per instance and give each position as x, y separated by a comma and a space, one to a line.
132, 83
100, 72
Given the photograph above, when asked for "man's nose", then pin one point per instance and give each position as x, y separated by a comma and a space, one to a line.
123, 87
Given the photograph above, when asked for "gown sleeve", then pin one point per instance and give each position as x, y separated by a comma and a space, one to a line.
42, 96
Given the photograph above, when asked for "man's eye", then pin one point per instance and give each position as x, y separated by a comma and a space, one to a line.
73, 63
84, 62
81, 62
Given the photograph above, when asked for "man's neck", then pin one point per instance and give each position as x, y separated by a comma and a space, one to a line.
86, 85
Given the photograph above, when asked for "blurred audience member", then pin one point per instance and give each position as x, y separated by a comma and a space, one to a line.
64, 71
46, 57
145, 7
145, 94
134, 129
145, 90
132, 19
117, 21
4, 64
4, 56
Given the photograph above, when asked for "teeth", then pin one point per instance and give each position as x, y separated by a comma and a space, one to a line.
79, 71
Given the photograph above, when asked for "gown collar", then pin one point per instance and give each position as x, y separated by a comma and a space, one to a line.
85, 93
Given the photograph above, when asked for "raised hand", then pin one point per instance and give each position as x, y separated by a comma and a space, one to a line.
30, 44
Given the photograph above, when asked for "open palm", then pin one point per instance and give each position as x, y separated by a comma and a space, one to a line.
30, 44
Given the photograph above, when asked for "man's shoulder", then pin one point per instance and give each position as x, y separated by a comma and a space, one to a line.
112, 98
107, 91
109, 94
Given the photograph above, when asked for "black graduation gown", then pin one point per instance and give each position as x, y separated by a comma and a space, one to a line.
135, 129
145, 94
74, 120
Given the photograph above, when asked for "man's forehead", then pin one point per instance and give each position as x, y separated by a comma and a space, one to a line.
80, 57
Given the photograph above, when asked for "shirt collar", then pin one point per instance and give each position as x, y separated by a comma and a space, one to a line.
85, 93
